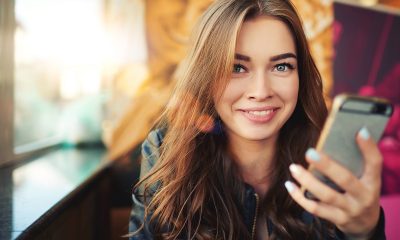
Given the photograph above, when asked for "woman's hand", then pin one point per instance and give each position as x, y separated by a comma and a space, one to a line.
356, 211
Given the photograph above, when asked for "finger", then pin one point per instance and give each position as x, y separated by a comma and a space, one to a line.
372, 156
340, 175
319, 189
319, 209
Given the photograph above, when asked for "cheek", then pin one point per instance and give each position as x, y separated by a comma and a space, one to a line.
288, 91
232, 93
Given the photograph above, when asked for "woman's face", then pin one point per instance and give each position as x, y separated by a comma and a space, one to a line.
262, 92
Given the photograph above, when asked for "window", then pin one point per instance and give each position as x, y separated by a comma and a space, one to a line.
55, 61
58, 59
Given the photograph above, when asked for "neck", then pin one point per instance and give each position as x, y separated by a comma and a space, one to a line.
254, 160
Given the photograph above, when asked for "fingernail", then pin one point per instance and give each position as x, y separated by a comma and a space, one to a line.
294, 168
364, 133
313, 155
289, 186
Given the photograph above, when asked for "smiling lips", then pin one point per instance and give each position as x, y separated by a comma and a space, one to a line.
259, 115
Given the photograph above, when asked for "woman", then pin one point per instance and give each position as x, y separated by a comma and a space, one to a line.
247, 106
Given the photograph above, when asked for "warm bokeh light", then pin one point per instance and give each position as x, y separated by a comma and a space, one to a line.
66, 53
69, 36
368, 2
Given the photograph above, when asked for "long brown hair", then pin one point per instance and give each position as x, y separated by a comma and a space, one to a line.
198, 194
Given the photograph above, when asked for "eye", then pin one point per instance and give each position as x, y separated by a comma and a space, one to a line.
284, 67
238, 68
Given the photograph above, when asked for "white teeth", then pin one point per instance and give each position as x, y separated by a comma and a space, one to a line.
261, 113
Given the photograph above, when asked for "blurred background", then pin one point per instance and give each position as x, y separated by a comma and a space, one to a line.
99, 72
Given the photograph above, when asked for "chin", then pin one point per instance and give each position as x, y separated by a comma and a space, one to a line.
257, 134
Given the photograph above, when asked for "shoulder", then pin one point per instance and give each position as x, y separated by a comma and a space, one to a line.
153, 142
151, 149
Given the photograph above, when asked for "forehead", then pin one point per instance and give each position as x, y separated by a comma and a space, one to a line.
264, 36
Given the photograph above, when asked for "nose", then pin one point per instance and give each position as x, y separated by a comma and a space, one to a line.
259, 88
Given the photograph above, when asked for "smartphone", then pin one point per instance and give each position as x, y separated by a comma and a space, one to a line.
348, 115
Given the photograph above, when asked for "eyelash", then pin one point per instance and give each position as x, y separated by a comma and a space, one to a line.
288, 65
285, 64
235, 66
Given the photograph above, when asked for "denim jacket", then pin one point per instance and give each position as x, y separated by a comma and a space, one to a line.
150, 153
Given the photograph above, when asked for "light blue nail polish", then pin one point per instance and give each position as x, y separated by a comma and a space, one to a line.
289, 186
364, 133
313, 155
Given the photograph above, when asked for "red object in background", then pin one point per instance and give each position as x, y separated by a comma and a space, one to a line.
390, 143
391, 205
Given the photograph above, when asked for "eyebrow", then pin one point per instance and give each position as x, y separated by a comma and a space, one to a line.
242, 57
282, 56
275, 58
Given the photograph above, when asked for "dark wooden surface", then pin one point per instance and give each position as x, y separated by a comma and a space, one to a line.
64, 194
